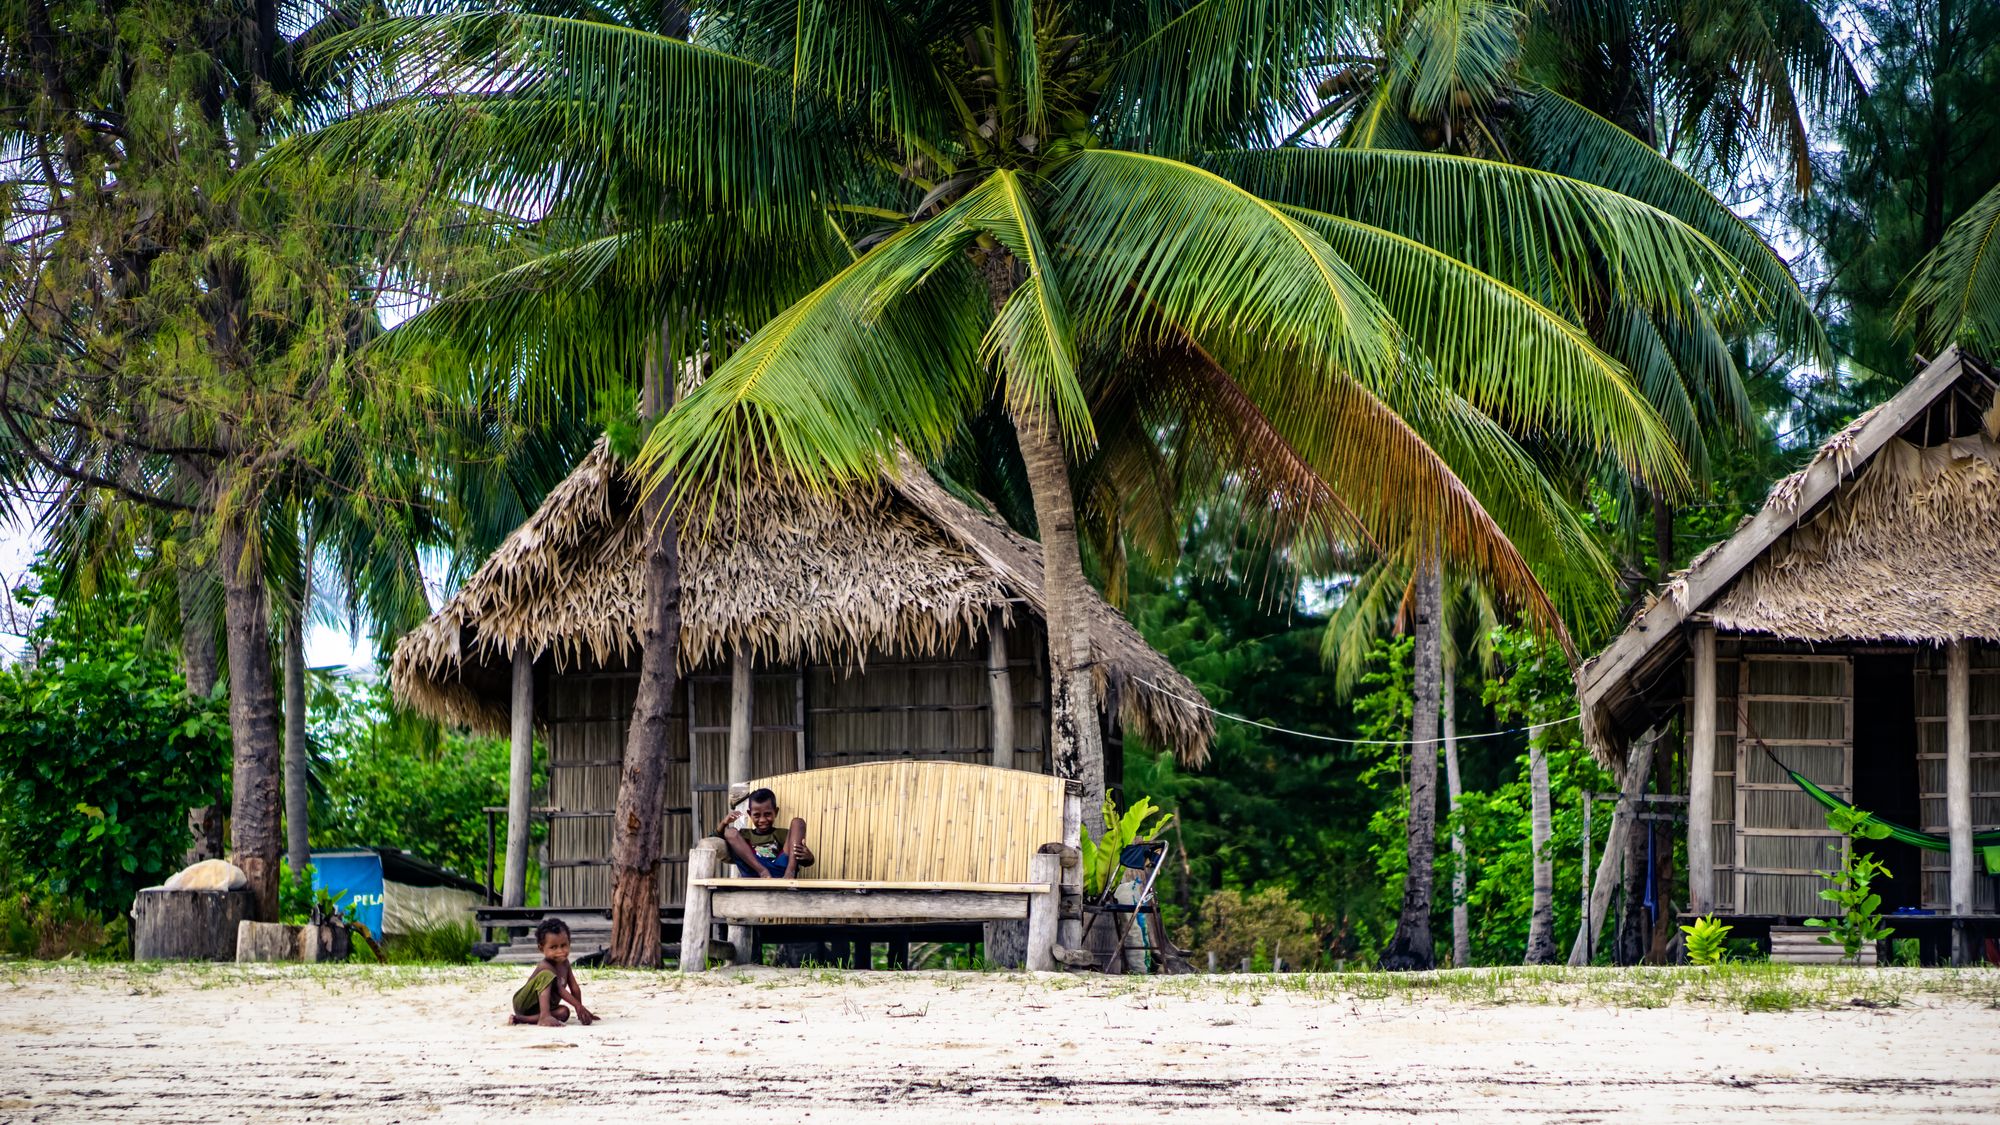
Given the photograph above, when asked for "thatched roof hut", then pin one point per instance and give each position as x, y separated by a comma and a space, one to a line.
1847, 633
905, 568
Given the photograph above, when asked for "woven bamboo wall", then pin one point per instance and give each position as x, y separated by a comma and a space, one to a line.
1802, 706
934, 709
1985, 708
775, 744
585, 718
922, 821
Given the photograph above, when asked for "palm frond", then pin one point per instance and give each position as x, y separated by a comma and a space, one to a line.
1555, 237
1212, 72
1153, 249
1512, 357
831, 386
1953, 295
1566, 138
519, 109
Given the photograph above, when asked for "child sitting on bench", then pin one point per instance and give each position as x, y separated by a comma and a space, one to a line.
540, 1000
760, 848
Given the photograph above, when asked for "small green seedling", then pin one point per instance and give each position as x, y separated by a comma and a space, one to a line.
1859, 922
1707, 940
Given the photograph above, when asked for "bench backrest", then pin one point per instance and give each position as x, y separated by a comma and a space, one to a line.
947, 822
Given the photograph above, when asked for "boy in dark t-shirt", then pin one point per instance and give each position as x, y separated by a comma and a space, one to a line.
760, 848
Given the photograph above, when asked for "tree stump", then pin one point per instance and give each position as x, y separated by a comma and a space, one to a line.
188, 925
267, 941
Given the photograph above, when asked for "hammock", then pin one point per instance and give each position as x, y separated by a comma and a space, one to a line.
1988, 843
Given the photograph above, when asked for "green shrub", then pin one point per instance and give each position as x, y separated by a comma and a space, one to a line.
444, 942
1259, 926
49, 926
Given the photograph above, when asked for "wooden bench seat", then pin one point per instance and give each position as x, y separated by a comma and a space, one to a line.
917, 842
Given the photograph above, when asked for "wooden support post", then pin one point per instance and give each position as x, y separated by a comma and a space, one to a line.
742, 693
1069, 930
899, 954
1701, 776
1638, 765
1000, 692
1958, 787
705, 861
520, 779
1044, 869
742, 706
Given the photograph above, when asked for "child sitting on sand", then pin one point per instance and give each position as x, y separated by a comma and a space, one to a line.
540, 1000
759, 846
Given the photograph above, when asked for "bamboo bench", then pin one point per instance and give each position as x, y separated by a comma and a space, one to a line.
915, 842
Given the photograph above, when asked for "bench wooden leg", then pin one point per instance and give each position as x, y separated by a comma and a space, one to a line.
899, 954
697, 915
1044, 869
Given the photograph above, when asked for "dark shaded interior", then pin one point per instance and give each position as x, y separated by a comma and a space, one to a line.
1885, 767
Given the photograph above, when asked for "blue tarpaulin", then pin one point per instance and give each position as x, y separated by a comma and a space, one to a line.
356, 878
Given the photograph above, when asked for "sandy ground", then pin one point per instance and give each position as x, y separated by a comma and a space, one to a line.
378, 1045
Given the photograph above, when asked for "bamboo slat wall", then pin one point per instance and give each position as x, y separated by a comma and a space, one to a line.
923, 821
1802, 706
1984, 682
1723, 809
585, 721
932, 708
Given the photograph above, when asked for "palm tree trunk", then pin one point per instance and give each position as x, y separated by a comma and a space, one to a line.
198, 665
1076, 741
1461, 914
1411, 946
253, 713
298, 852
637, 828
1542, 916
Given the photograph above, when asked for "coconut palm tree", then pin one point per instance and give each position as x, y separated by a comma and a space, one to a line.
877, 217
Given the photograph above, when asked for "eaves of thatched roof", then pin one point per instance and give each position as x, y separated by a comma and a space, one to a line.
1887, 535
903, 568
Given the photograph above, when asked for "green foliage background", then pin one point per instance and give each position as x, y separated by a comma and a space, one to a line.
102, 752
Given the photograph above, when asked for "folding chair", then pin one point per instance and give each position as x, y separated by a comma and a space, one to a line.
1145, 857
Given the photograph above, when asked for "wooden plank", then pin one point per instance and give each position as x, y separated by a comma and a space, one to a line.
749, 904
863, 886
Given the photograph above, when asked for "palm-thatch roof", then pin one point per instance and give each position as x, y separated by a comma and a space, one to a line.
1888, 534
903, 568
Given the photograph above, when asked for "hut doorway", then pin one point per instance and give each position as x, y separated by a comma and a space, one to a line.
1885, 766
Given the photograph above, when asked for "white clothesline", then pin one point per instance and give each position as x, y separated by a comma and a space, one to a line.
1203, 704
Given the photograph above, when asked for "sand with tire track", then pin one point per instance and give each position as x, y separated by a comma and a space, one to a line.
118, 1043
